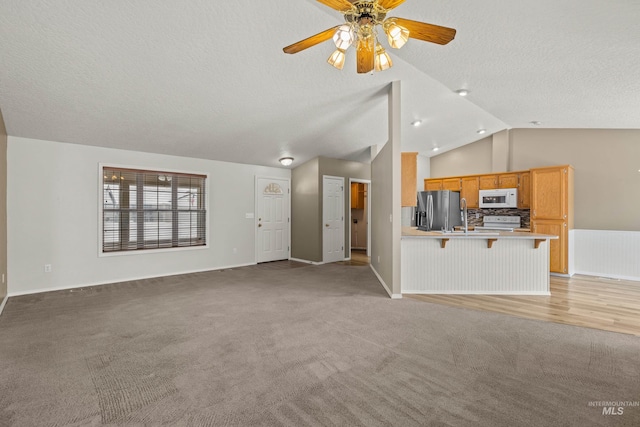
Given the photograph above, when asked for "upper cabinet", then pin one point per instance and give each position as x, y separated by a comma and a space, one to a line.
357, 195
452, 184
488, 182
503, 180
524, 190
409, 179
432, 185
470, 187
550, 189
508, 180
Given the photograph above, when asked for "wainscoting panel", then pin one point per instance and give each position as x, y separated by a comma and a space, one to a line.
607, 253
468, 266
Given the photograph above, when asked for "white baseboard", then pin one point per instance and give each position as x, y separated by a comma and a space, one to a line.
87, 285
3, 303
609, 275
448, 292
306, 261
386, 288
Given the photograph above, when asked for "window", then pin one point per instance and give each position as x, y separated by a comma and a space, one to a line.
151, 210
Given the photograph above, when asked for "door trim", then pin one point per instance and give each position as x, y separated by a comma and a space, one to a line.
344, 228
255, 216
368, 182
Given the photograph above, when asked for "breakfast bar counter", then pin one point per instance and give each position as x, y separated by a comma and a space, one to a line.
478, 262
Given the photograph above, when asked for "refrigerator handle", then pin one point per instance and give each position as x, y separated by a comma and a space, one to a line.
430, 210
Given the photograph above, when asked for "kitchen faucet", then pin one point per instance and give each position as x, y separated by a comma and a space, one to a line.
463, 201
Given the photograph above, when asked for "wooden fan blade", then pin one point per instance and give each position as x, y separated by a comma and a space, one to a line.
426, 32
339, 5
311, 41
390, 4
366, 55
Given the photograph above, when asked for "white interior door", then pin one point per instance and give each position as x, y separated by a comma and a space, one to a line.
272, 219
333, 219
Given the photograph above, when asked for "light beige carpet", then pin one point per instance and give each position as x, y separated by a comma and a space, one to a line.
286, 344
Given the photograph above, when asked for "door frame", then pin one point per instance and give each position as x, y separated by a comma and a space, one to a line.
255, 212
368, 182
344, 241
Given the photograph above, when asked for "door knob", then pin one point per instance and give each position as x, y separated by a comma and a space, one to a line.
326, 225
259, 225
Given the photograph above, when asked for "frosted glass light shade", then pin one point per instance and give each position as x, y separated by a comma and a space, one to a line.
344, 37
396, 35
383, 60
337, 59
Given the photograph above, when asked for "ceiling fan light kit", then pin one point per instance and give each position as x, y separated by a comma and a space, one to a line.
337, 58
362, 20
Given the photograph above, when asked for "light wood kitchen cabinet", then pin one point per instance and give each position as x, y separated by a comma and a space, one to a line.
550, 192
409, 178
524, 190
552, 210
558, 248
432, 184
357, 195
452, 184
508, 180
470, 191
488, 182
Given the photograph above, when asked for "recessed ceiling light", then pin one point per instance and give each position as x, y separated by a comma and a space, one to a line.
463, 92
435, 149
286, 161
481, 131
416, 123
535, 123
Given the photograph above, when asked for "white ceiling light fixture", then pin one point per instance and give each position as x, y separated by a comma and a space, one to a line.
435, 149
416, 123
462, 92
535, 123
481, 131
286, 161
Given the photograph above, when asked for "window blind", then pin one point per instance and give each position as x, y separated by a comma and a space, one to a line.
152, 209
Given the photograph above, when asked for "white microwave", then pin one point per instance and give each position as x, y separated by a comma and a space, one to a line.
499, 198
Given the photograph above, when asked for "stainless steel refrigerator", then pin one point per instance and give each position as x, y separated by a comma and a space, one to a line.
438, 210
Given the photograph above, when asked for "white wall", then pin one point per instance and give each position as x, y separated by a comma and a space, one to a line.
52, 210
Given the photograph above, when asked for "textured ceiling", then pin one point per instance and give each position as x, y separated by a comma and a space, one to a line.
208, 79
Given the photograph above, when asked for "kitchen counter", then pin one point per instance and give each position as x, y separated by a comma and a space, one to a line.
480, 262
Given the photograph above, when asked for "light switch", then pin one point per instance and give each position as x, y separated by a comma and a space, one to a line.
249, 215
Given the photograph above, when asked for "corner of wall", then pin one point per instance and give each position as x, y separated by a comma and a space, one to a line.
3, 212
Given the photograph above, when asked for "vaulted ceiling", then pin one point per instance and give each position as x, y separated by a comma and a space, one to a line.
208, 79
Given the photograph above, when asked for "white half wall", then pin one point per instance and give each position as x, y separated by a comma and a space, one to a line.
607, 253
52, 210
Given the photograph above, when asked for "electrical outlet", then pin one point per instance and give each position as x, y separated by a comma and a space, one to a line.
47, 268
378, 259
3, 278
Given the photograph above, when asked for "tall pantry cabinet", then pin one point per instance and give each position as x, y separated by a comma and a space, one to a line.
552, 211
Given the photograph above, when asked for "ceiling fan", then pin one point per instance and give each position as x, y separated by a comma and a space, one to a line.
362, 18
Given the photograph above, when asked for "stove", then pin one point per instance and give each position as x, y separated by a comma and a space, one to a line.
502, 223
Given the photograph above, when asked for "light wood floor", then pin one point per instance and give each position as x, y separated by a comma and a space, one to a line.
358, 257
592, 302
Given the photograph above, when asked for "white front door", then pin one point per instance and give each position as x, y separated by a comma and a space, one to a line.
272, 219
333, 219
